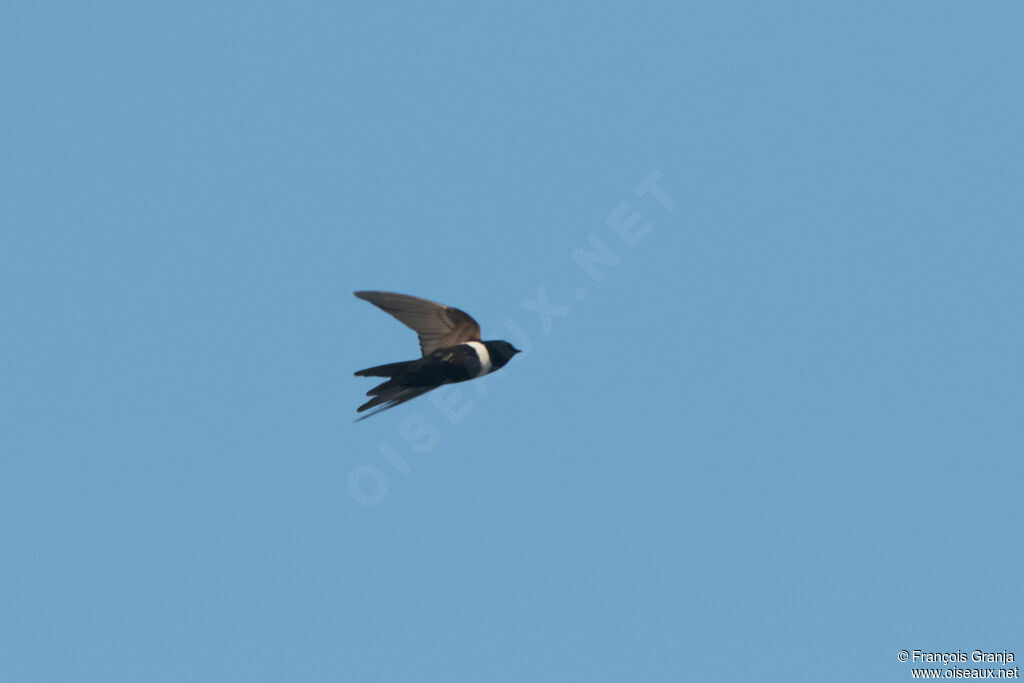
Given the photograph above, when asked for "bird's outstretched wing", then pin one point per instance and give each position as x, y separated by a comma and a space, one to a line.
436, 324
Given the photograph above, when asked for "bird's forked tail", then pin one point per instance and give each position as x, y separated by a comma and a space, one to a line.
389, 370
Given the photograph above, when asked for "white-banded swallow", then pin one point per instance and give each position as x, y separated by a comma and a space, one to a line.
450, 344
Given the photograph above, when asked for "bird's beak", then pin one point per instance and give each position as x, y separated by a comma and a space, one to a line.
515, 350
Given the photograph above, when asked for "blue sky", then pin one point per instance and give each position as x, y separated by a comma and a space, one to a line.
779, 439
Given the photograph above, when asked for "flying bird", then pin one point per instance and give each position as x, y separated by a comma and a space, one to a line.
450, 346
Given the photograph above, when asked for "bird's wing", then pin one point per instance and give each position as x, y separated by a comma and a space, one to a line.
436, 324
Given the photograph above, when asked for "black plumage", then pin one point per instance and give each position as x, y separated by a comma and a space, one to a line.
450, 344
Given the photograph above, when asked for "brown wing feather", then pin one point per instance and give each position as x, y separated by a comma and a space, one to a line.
436, 324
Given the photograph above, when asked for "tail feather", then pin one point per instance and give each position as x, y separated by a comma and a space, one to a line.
388, 395
388, 370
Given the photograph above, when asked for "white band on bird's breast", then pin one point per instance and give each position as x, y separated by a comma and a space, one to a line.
483, 355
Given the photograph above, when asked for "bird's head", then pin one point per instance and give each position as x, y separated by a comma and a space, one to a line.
501, 352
